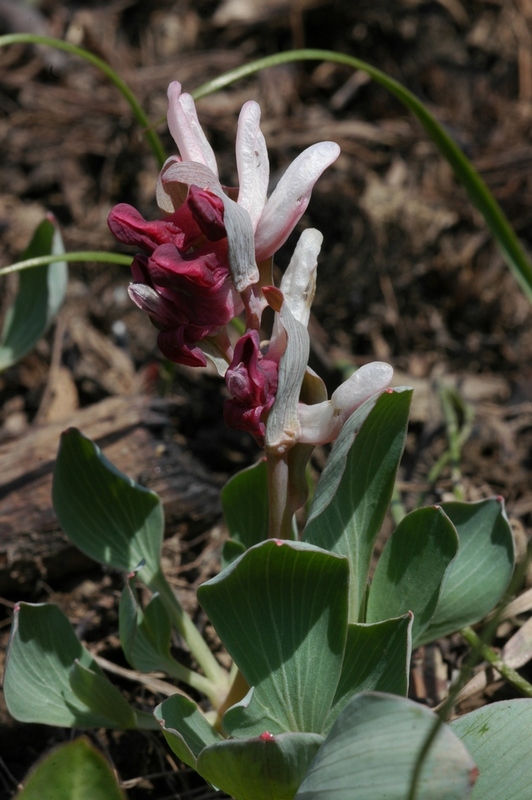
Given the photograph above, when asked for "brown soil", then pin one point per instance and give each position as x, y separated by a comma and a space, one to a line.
408, 272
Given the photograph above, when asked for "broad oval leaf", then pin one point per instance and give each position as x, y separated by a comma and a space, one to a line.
281, 612
498, 738
146, 634
265, 767
376, 658
185, 728
40, 294
99, 694
481, 571
103, 512
412, 567
356, 486
42, 649
73, 771
250, 717
371, 751
245, 506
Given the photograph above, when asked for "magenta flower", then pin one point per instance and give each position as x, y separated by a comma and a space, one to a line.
252, 382
182, 278
196, 260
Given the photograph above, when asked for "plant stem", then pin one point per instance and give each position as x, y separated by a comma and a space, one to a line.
82, 255
217, 676
480, 195
280, 512
138, 112
239, 689
488, 654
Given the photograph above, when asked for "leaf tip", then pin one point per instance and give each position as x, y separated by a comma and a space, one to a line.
474, 772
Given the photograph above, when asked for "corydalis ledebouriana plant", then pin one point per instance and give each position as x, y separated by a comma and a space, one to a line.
210, 258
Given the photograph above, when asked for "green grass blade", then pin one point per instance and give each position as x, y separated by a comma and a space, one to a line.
480, 195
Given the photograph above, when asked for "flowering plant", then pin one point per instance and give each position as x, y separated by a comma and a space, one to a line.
315, 700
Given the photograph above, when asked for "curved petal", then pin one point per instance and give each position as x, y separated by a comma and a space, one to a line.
322, 423
283, 427
252, 162
291, 197
186, 130
169, 201
318, 423
365, 382
298, 283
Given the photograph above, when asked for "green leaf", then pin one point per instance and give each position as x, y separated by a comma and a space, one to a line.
263, 768
185, 728
103, 512
245, 505
250, 717
377, 658
231, 550
411, 568
280, 611
74, 771
41, 292
42, 649
498, 738
356, 486
145, 635
96, 692
480, 572
372, 749
146, 638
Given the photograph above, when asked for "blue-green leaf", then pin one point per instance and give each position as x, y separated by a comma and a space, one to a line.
245, 505
481, 571
498, 738
262, 768
41, 292
185, 728
356, 486
103, 512
93, 689
281, 612
411, 568
372, 749
42, 649
73, 771
377, 658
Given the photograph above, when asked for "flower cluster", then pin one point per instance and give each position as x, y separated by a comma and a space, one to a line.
209, 259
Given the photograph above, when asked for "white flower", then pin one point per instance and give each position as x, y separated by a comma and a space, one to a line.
267, 223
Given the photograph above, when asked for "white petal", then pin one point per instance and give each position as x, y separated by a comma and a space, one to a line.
252, 162
365, 382
283, 427
186, 130
298, 283
291, 197
318, 423
322, 423
168, 201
